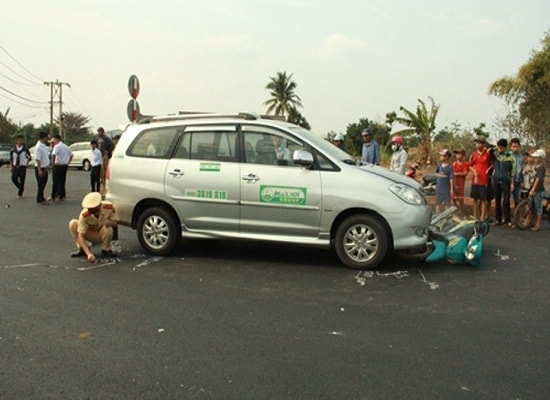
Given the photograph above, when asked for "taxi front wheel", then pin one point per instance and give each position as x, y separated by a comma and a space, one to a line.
361, 242
157, 231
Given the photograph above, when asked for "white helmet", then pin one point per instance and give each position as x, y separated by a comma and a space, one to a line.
339, 138
539, 154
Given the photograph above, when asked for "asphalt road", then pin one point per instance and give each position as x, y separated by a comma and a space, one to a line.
239, 320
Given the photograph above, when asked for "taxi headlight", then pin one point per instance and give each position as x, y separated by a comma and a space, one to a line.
407, 193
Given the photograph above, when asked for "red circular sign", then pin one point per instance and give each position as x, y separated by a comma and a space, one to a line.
133, 86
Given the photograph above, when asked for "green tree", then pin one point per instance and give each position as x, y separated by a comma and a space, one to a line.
354, 135
528, 93
513, 125
297, 118
7, 128
456, 137
75, 126
283, 96
421, 126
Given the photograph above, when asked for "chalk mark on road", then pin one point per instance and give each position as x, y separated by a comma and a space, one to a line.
99, 263
433, 285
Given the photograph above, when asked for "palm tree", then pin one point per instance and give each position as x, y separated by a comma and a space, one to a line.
295, 117
283, 98
421, 123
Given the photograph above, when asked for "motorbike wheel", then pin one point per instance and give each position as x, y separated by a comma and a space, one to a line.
522, 214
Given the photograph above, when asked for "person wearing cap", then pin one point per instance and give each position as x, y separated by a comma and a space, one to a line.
106, 146
444, 186
370, 152
537, 190
504, 164
339, 142
97, 223
398, 162
461, 167
481, 163
528, 170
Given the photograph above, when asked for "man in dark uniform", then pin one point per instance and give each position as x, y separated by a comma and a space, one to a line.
19, 158
97, 223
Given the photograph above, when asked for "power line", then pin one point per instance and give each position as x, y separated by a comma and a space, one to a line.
17, 82
16, 73
21, 65
20, 85
18, 102
21, 97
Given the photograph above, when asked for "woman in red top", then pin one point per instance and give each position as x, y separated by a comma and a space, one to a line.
481, 163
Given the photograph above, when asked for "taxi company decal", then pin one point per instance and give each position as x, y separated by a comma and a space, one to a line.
206, 194
210, 167
283, 195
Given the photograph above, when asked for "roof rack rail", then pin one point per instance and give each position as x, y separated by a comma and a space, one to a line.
187, 115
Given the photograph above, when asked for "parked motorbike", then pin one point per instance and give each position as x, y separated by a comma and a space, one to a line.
411, 170
428, 184
428, 181
454, 240
524, 213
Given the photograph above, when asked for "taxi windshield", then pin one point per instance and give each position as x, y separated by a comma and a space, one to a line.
324, 145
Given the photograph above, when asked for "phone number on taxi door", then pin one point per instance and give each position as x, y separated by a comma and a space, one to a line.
210, 194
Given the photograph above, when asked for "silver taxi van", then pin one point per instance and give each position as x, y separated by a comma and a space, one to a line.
247, 177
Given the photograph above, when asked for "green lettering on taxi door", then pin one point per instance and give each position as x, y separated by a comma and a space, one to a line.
283, 195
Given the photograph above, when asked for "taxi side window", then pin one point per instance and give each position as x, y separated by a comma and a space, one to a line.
323, 163
269, 148
208, 145
153, 143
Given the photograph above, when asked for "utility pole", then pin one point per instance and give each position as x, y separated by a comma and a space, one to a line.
61, 108
56, 90
50, 84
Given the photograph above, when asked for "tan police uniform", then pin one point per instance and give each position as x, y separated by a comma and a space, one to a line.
91, 227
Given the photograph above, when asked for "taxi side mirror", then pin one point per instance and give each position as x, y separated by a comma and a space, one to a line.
303, 158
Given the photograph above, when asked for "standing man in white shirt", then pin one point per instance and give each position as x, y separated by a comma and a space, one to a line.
61, 157
96, 159
19, 158
42, 160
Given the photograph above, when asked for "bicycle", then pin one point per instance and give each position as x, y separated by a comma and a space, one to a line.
524, 214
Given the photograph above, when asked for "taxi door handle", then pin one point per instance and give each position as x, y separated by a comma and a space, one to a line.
176, 172
251, 178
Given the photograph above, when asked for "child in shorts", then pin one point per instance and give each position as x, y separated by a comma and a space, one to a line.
461, 167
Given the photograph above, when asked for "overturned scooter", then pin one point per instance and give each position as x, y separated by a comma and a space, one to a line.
458, 242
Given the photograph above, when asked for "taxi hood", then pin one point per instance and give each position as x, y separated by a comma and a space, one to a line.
390, 175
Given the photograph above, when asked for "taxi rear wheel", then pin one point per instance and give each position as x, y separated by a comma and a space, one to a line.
361, 242
157, 231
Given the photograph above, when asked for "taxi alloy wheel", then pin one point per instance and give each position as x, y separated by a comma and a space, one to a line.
158, 232
361, 242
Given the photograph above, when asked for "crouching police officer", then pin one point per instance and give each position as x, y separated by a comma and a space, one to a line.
97, 223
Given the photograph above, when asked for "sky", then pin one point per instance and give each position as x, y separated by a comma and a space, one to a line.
350, 59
